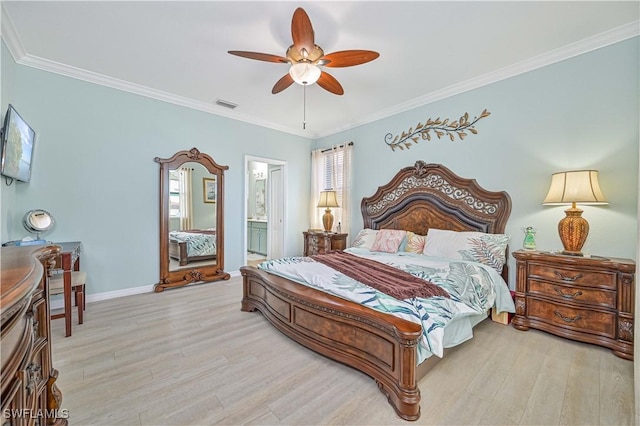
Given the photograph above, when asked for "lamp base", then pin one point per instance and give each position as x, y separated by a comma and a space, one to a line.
327, 220
572, 253
573, 230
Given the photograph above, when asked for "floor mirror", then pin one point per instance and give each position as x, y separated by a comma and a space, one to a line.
191, 219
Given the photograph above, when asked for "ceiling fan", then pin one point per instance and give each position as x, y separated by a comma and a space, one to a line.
306, 58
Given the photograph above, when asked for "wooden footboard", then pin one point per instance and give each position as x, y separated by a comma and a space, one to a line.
178, 250
380, 345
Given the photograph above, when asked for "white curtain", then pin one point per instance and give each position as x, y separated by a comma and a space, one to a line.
331, 169
317, 185
186, 198
341, 157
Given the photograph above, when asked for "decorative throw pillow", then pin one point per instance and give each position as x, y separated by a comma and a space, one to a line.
414, 243
388, 240
365, 239
489, 249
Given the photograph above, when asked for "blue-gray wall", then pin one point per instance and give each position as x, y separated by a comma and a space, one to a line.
94, 171
94, 168
580, 113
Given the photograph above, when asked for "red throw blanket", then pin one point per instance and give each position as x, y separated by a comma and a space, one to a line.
385, 278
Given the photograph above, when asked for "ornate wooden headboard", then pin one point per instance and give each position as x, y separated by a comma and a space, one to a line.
432, 196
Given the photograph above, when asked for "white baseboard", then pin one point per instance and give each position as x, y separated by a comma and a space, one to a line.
57, 303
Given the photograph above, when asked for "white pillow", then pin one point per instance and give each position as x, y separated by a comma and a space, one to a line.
365, 239
489, 249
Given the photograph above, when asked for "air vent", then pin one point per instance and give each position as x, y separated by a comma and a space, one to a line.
226, 104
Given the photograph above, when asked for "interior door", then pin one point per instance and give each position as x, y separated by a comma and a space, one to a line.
276, 213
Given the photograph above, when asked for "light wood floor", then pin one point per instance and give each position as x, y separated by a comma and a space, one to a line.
190, 357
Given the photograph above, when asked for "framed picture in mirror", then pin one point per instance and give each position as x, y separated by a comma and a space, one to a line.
210, 189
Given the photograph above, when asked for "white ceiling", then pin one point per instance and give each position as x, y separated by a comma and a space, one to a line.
177, 50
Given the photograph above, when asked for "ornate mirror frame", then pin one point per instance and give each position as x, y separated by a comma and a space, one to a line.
187, 274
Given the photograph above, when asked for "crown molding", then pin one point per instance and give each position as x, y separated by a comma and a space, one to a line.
589, 44
12, 40
9, 35
114, 83
20, 56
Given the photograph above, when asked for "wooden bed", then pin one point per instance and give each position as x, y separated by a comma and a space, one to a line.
178, 250
382, 346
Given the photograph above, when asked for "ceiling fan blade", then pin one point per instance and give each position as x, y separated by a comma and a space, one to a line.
302, 31
349, 58
282, 84
329, 83
267, 57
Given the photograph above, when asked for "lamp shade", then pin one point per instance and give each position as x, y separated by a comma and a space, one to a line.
304, 73
580, 186
328, 199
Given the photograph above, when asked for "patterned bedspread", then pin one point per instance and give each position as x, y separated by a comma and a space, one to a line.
197, 244
474, 288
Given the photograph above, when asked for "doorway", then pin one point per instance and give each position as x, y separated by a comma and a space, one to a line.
265, 201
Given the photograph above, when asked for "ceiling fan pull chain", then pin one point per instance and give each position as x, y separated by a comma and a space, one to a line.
304, 107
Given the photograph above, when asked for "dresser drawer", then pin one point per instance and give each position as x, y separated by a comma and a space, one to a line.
572, 276
584, 320
34, 375
315, 244
38, 314
579, 295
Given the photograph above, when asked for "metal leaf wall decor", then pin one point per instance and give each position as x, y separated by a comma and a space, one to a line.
438, 128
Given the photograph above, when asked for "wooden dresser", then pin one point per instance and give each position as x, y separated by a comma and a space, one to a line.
29, 393
585, 299
323, 242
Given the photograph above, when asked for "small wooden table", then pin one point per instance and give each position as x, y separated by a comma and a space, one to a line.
68, 260
323, 242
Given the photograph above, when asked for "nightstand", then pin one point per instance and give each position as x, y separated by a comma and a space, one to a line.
586, 299
323, 242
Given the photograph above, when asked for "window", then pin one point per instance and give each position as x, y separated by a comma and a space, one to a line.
174, 193
331, 170
333, 166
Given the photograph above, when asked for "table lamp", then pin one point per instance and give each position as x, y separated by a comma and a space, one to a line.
580, 186
327, 200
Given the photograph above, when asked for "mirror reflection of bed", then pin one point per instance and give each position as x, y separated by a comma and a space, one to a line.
192, 217
174, 264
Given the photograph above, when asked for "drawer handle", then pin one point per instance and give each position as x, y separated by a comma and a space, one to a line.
567, 295
567, 319
563, 278
33, 377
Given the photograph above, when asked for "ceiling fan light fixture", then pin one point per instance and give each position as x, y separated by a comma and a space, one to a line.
306, 57
304, 73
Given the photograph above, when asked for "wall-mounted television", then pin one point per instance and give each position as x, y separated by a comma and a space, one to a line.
18, 139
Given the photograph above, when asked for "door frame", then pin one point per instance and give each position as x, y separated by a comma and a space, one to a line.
283, 190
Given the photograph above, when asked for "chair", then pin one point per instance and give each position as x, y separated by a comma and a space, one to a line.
78, 282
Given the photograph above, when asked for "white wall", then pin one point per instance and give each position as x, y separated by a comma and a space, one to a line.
576, 114
94, 171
